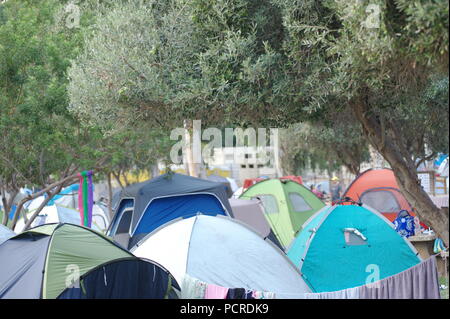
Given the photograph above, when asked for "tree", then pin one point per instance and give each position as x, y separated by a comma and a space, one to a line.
189, 59
42, 144
216, 61
327, 145
37, 136
379, 58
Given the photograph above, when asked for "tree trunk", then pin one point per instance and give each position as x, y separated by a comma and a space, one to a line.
155, 170
110, 197
189, 152
7, 204
63, 182
395, 153
43, 204
117, 178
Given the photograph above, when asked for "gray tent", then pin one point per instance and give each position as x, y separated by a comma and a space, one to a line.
222, 251
5, 234
251, 212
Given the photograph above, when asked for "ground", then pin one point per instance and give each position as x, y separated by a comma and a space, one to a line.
444, 292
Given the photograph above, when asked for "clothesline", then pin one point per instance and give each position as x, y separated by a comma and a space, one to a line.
194, 288
418, 282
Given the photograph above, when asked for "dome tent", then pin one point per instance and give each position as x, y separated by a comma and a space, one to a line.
287, 205
378, 189
145, 206
223, 180
5, 233
222, 251
338, 244
45, 261
251, 213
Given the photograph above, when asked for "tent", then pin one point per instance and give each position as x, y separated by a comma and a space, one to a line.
46, 261
238, 192
251, 213
68, 197
443, 168
323, 187
145, 206
233, 184
287, 205
224, 181
251, 181
60, 214
294, 178
5, 234
378, 189
222, 251
344, 246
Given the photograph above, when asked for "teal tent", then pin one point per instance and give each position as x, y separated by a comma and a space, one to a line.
346, 246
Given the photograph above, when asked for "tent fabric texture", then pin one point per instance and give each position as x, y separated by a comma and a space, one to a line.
222, 251
42, 262
224, 181
378, 189
251, 213
287, 206
155, 202
5, 234
344, 246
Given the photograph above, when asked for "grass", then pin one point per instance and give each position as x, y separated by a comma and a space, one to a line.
444, 292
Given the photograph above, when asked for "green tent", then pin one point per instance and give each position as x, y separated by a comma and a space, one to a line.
45, 261
287, 206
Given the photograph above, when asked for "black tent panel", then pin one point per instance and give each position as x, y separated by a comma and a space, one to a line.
122, 279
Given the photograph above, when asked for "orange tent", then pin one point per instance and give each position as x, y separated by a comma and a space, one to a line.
251, 181
378, 189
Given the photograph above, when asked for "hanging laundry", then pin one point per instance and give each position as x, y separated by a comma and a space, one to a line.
215, 292
438, 246
418, 282
404, 224
193, 288
249, 294
350, 293
263, 295
85, 198
236, 293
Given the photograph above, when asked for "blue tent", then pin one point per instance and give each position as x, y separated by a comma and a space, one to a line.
145, 206
346, 246
70, 190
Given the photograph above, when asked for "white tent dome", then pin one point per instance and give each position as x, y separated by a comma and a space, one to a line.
222, 251
60, 214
